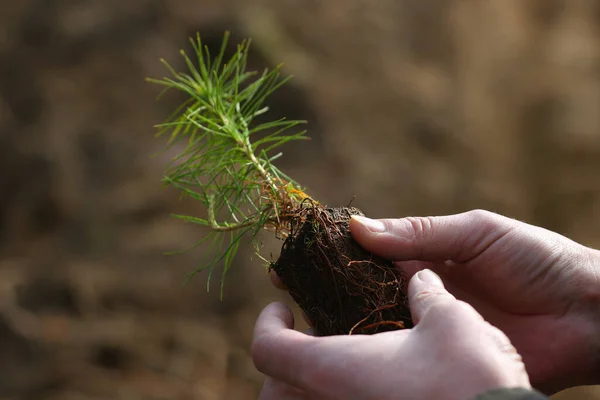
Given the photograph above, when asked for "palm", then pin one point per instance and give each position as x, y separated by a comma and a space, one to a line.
526, 288
302, 367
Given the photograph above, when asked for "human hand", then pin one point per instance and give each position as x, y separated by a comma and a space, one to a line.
538, 287
452, 353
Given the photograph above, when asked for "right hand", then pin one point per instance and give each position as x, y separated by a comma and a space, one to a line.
540, 288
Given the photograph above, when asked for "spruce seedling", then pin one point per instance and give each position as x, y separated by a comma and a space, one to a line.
226, 161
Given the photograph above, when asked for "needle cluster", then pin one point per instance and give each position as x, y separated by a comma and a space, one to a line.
224, 157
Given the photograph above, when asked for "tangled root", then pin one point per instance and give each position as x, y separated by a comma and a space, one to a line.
342, 288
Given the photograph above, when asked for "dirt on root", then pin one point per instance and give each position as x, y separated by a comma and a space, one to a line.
342, 288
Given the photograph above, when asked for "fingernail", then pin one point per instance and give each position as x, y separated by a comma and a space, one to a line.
428, 276
371, 224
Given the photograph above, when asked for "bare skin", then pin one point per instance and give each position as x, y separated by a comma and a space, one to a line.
538, 287
364, 367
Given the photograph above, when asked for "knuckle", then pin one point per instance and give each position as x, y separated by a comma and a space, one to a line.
482, 216
468, 312
440, 310
452, 313
421, 227
486, 222
431, 294
467, 309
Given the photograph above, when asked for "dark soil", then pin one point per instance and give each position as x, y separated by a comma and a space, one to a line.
342, 288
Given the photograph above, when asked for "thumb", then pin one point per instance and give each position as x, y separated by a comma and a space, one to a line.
425, 290
458, 237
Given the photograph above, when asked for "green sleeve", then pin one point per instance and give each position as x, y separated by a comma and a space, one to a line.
511, 394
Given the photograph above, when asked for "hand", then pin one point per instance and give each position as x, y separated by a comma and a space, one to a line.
540, 288
452, 353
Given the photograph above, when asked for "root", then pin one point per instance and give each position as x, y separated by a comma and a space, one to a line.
335, 281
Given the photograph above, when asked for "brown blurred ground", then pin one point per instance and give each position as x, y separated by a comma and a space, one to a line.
416, 107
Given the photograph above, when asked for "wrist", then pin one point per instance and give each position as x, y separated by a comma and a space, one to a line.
594, 299
511, 394
591, 308
580, 326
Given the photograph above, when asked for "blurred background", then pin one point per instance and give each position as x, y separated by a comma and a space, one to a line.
415, 107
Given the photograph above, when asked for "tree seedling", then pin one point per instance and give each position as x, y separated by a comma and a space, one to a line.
227, 163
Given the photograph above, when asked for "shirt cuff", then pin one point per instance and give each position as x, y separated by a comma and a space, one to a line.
511, 394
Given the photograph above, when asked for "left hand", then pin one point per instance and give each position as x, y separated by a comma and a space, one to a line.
452, 353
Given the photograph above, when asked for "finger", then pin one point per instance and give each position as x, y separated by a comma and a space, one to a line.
411, 267
276, 390
426, 289
278, 350
276, 281
459, 237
